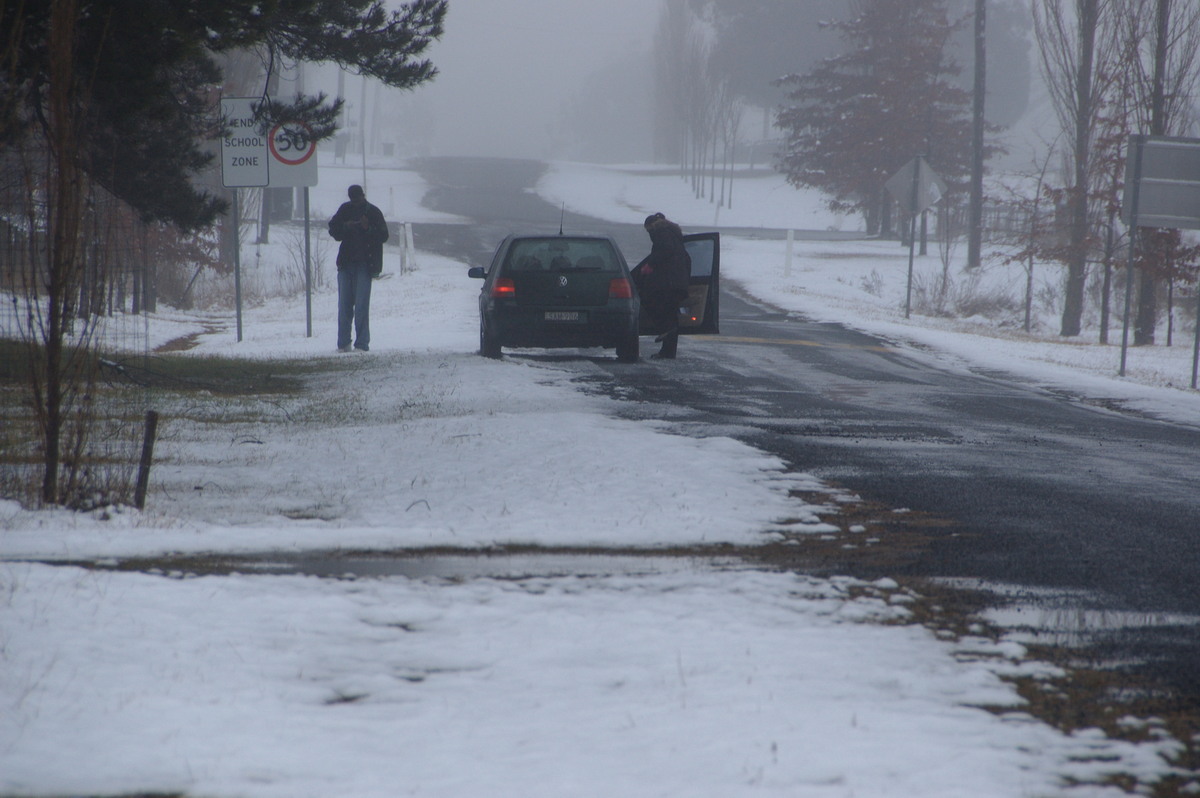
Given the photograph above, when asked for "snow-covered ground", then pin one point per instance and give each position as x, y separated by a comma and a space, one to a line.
677, 678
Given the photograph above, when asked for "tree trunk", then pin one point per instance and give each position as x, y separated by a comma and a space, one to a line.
1106, 291
64, 204
1146, 318
1072, 318
1077, 257
52, 404
975, 210
1147, 309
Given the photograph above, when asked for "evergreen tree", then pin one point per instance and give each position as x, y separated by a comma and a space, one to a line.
122, 94
147, 75
892, 94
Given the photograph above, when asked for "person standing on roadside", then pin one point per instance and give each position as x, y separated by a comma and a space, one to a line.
662, 280
360, 228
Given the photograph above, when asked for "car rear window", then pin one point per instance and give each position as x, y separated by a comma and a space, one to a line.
561, 254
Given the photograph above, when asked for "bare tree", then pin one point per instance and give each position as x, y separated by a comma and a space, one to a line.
729, 122
59, 375
1032, 233
697, 111
1112, 136
1074, 37
674, 38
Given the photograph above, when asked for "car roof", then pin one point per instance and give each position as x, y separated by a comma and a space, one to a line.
533, 234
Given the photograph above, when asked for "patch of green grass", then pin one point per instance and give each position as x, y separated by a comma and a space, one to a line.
123, 387
224, 376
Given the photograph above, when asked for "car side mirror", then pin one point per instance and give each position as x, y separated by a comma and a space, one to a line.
476, 271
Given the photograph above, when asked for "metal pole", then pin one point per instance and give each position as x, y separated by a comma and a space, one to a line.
237, 261
787, 263
1196, 344
1137, 142
307, 271
362, 127
912, 232
405, 252
409, 247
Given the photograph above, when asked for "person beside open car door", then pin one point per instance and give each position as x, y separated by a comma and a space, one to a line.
662, 280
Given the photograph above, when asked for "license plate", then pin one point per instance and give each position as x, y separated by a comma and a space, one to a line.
564, 315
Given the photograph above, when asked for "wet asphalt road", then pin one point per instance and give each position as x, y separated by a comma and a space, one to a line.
1037, 489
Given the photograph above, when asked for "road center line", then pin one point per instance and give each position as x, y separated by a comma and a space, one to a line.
739, 339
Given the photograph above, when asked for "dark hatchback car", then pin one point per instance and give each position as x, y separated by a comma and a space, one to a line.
558, 291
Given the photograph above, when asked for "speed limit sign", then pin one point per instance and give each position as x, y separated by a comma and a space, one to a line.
293, 151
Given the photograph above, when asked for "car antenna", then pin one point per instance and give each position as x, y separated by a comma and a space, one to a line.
561, 214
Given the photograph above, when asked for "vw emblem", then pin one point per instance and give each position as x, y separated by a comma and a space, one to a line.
562, 281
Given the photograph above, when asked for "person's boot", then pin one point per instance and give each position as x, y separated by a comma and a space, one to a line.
670, 343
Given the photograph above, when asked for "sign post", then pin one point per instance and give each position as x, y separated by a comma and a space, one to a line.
243, 165
293, 162
915, 187
286, 156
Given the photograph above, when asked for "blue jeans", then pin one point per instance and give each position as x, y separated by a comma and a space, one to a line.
354, 305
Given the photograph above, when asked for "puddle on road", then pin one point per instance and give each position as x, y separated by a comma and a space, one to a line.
334, 565
1066, 618
1149, 654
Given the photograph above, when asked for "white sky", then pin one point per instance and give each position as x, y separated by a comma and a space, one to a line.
507, 66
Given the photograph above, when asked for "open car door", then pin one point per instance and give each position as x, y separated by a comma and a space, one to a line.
700, 313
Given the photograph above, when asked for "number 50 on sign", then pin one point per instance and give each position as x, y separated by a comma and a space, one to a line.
293, 155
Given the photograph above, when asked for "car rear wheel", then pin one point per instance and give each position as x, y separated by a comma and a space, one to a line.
489, 345
627, 351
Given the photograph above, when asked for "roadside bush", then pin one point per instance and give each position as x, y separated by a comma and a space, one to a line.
943, 295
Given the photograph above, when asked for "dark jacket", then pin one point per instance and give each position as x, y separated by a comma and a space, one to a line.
668, 267
360, 227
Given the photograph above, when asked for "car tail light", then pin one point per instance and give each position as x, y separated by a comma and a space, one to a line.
619, 288
504, 287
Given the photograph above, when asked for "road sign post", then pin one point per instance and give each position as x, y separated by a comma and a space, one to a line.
243, 165
915, 187
293, 162
286, 156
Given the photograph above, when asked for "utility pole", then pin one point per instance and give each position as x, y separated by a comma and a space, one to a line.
975, 209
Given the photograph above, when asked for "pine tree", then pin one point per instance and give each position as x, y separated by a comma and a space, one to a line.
858, 117
122, 94
147, 72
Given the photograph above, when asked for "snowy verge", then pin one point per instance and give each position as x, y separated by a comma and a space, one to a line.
721, 683
419, 443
